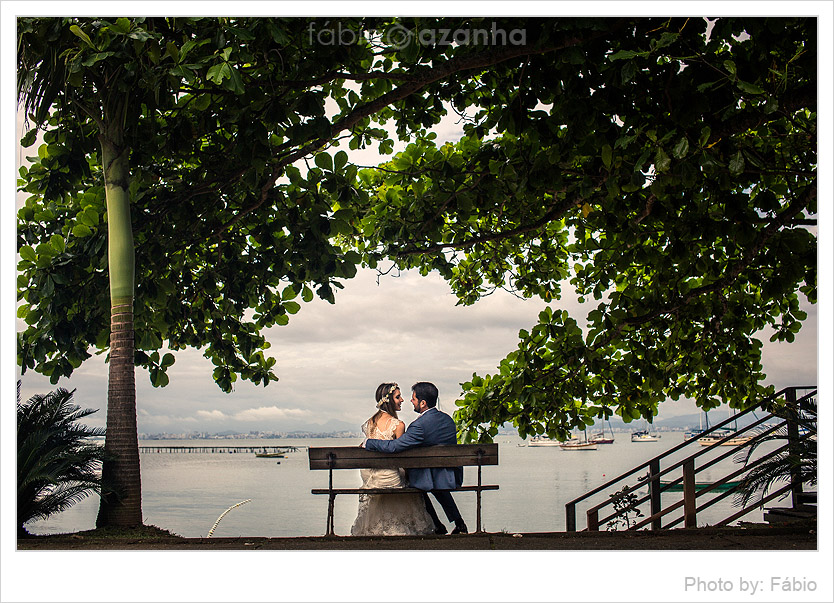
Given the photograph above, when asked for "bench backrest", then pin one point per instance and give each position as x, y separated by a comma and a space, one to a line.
354, 457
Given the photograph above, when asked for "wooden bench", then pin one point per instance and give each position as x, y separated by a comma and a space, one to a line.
354, 457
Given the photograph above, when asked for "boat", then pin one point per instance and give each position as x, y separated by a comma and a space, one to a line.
270, 455
543, 441
644, 436
724, 438
600, 437
691, 434
577, 444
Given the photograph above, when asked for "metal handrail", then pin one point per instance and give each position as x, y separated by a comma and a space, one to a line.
655, 473
680, 464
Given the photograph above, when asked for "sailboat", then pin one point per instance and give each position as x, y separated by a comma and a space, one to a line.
694, 433
542, 440
644, 435
725, 437
577, 444
599, 438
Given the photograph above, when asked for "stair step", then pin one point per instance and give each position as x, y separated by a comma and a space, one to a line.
789, 514
807, 498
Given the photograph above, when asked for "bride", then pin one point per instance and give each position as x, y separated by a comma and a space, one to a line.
388, 514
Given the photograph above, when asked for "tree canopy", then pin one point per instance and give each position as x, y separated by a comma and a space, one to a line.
664, 168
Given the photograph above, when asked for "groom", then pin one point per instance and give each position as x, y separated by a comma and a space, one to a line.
432, 427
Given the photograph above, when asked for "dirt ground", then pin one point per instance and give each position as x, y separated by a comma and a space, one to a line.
751, 537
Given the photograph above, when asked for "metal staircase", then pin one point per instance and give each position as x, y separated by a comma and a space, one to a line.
682, 474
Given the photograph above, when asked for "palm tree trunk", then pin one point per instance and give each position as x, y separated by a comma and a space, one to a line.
121, 468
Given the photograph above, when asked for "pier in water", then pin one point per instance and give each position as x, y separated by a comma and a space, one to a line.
217, 449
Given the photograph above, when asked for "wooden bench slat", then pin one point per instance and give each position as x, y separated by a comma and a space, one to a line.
395, 490
354, 457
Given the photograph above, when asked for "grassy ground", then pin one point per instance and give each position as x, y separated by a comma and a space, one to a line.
799, 536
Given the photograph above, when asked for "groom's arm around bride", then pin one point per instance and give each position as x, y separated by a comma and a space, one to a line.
431, 428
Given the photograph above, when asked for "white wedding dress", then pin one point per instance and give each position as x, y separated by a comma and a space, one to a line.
389, 514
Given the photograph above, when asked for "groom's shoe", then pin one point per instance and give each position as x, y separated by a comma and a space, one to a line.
440, 529
460, 528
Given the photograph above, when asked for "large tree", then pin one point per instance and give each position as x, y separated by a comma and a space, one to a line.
664, 166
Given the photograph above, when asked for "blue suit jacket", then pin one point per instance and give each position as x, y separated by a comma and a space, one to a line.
431, 428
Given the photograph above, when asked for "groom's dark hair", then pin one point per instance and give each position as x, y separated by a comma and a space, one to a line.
426, 391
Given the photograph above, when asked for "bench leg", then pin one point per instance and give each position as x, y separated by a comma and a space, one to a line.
330, 512
478, 513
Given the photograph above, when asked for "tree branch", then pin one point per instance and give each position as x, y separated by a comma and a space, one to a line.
422, 78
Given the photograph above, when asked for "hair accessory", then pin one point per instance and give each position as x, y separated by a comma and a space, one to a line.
387, 396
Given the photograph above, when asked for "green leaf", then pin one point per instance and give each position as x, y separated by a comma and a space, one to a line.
57, 242
158, 378
122, 25
606, 155
737, 164
289, 293
623, 54
217, 73
95, 58
27, 253
730, 66
291, 307
662, 161
80, 33
307, 294
340, 227
140, 35
29, 138
681, 149
167, 360
749, 88
706, 132
81, 231
340, 160
89, 217
172, 51
235, 82
324, 161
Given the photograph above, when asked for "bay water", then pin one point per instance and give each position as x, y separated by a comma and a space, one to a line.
186, 493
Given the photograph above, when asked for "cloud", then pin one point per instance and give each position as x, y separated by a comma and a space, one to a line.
266, 413
212, 415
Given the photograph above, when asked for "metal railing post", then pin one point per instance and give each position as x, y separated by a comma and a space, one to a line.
570, 517
593, 520
654, 492
689, 503
793, 445
478, 511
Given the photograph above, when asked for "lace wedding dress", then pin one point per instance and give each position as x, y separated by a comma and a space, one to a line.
389, 514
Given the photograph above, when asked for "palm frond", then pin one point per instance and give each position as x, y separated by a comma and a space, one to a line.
57, 465
800, 459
